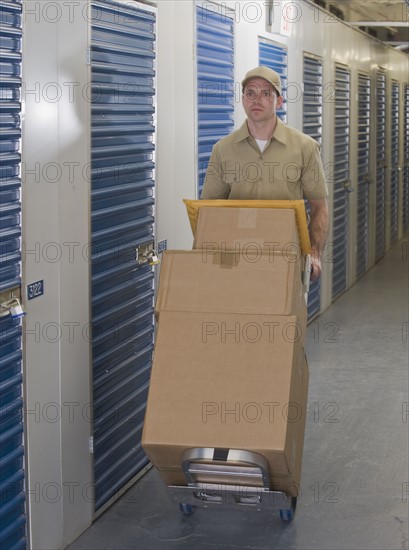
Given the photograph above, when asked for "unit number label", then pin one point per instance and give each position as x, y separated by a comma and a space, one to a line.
35, 289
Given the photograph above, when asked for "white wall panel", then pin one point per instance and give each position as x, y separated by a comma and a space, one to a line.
176, 121
55, 241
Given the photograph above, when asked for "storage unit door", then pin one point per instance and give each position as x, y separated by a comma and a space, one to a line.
122, 199
215, 82
275, 57
364, 91
394, 168
12, 479
312, 126
380, 163
341, 181
405, 194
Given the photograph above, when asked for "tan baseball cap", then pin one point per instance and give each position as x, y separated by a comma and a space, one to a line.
264, 72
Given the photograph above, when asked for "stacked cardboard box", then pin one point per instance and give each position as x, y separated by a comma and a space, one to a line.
229, 368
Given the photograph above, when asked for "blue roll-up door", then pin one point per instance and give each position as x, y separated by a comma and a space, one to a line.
122, 68
215, 82
275, 57
312, 126
394, 168
405, 194
12, 478
380, 163
364, 99
341, 180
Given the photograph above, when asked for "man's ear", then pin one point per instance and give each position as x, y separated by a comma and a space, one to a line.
280, 101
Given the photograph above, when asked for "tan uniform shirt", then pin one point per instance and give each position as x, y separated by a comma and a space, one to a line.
289, 168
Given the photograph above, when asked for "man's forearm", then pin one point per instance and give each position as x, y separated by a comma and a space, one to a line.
318, 234
318, 225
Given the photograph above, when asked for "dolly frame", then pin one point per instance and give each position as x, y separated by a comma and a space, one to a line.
207, 462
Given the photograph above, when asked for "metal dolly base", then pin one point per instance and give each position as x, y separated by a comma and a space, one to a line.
236, 465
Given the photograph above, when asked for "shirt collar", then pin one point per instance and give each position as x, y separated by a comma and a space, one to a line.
243, 132
279, 132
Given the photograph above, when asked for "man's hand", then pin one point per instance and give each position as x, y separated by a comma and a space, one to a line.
316, 269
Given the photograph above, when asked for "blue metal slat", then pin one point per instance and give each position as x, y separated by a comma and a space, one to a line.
405, 193
131, 429
381, 166
275, 57
394, 174
215, 83
121, 400
12, 518
138, 460
138, 339
312, 126
122, 200
364, 87
105, 302
12, 498
341, 176
273, 53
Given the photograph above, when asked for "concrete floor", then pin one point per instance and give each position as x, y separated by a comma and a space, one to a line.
355, 482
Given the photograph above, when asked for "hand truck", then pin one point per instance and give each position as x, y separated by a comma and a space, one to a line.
249, 486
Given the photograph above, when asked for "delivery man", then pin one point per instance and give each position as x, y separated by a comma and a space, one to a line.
265, 159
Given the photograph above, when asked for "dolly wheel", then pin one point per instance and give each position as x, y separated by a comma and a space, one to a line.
287, 514
187, 509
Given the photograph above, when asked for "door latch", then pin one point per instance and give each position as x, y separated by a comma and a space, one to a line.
146, 254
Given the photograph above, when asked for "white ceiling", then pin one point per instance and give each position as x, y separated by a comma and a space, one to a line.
389, 18
377, 10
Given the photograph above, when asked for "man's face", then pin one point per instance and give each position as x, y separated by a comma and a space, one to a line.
260, 100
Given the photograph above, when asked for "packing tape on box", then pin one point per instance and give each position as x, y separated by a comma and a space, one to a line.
225, 259
228, 259
193, 207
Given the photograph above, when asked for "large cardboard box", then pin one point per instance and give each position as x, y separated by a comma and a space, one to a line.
231, 381
246, 229
230, 282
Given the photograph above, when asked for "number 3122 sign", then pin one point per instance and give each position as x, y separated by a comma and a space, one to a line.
34, 290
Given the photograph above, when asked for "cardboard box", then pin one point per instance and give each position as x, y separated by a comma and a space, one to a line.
243, 229
248, 231
235, 381
193, 208
228, 282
